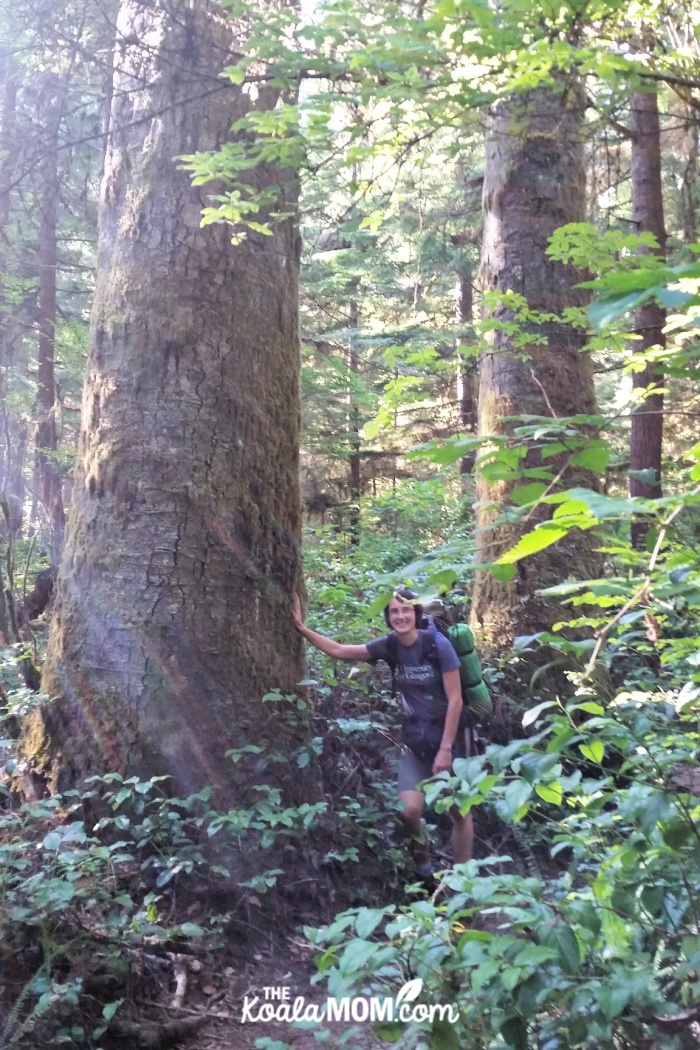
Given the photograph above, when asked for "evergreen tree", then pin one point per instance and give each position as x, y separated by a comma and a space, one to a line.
182, 552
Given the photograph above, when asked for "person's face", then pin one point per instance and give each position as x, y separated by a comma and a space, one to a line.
402, 616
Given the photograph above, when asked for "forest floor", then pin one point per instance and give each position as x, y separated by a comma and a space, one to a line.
218, 998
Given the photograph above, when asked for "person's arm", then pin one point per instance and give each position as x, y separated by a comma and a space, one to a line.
336, 650
453, 689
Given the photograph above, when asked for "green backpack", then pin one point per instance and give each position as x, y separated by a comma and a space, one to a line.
475, 693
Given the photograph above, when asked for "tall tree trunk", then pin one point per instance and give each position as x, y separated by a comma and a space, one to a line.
534, 182
467, 378
8, 156
646, 434
688, 204
48, 474
354, 460
172, 608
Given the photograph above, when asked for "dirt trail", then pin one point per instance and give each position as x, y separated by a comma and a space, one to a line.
221, 995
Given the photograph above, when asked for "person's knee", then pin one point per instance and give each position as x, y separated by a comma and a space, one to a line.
411, 814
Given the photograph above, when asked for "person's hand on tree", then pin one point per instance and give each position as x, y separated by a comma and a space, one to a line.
297, 614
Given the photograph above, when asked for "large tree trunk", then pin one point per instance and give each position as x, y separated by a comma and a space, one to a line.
688, 203
534, 182
8, 157
172, 609
48, 478
354, 454
467, 378
646, 435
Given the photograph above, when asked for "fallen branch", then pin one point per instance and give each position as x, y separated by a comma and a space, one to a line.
180, 975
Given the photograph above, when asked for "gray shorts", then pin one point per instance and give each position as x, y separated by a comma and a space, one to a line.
413, 769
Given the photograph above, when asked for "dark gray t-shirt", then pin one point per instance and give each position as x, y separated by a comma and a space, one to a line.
419, 680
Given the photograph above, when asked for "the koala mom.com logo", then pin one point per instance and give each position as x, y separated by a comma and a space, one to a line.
276, 1004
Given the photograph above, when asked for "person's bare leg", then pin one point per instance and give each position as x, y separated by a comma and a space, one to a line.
462, 837
413, 827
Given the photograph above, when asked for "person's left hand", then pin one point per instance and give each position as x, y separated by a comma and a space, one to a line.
297, 615
442, 762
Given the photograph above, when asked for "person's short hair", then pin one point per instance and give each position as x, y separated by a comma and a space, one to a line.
406, 596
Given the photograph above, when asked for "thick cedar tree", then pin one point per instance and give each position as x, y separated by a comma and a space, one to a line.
172, 617
534, 182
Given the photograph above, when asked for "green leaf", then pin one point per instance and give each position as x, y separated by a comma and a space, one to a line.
516, 796
514, 1032
190, 929
542, 536
590, 707
110, 1009
367, 921
600, 505
503, 573
553, 793
535, 954
524, 494
569, 952
534, 713
356, 955
613, 999
483, 973
593, 751
511, 976
595, 458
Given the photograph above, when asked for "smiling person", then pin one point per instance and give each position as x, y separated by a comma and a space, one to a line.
425, 670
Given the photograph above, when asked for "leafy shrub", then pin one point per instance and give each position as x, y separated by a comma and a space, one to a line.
604, 950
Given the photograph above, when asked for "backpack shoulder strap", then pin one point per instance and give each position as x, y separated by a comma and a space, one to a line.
429, 638
392, 645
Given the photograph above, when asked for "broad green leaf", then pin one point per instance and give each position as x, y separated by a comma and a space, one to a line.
541, 537
535, 955
110, 1009
593, 751
590, 707
367, 921
595, 458
569, 951
552, 793
613, 999
534, 713
528, 493
514, 1032
356, 955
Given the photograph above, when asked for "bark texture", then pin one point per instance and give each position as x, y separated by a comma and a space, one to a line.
534, 182
646, 435
354, 451
172, 608
467, 378
688, 203
48, 476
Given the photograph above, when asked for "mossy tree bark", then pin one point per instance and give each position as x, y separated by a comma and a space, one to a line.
534, 182
172, 609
